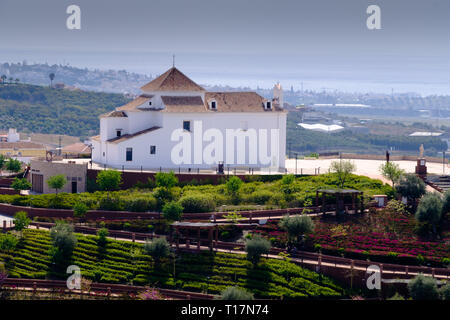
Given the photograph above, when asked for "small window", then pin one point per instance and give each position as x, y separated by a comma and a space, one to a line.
119, 133
213, 105
152, 149
129, 154
187, 125
103, 154
268, 105
149, 103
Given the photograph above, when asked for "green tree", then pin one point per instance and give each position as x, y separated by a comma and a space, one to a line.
13, 165
411, 187
20, 184
236, 293
57, 182
21, 221
444, 291
63, 243
158, 249
233, 187
102, 234
392, 172
342, 169
79, 210
256, 247
2, 161
297, 226
166, 180
429, 210
172, 211
109, 180
423, 288
52, 77
8, 242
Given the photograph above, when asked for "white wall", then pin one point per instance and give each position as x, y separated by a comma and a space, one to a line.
115, 153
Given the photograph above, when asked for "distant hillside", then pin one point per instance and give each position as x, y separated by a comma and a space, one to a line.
119, 81
38, 109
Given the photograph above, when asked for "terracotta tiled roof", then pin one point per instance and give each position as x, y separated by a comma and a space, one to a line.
172, 80
129, 136
78, 147
238, 102
132, 105
95, 138
21, 145
183, 104
114, 114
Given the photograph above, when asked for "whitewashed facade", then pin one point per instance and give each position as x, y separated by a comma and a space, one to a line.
175, 123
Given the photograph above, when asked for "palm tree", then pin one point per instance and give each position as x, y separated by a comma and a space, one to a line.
51, 76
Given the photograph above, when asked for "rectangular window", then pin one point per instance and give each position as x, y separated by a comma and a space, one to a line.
152, 149
129, 154
119, 132
213, 105
187, 125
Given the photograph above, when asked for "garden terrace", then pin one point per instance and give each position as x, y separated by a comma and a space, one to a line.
124, 263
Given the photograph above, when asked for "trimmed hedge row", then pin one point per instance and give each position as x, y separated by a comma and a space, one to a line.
125, 262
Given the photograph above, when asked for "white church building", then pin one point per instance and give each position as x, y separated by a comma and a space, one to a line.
175, 123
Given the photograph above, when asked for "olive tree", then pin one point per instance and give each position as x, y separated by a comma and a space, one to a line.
63, 241
158, 249
423, 288
411, 187
256, 247
297, 226
392, 172
21, 221
429, 210
343, 169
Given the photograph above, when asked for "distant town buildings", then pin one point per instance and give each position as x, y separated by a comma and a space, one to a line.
12, 146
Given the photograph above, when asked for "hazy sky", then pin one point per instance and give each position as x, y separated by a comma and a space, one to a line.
242, 41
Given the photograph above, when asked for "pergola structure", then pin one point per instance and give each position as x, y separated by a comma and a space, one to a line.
180, 226
340, 194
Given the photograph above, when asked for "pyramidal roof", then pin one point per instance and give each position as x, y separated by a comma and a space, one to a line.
172, 80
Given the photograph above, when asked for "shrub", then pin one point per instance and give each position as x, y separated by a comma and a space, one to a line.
64, 242
140, 204
102, 234
111, 204
260, 197
423, 288
430, 210
21, 220
166, 180
158, 249
172, 211
444, 291
193, 203
236, 293
20, 184
297, 226
8, 242
233, 186
109, 180
411, 186
255, 248
80, 210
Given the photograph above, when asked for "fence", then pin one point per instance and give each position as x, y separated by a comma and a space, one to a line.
103, 288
